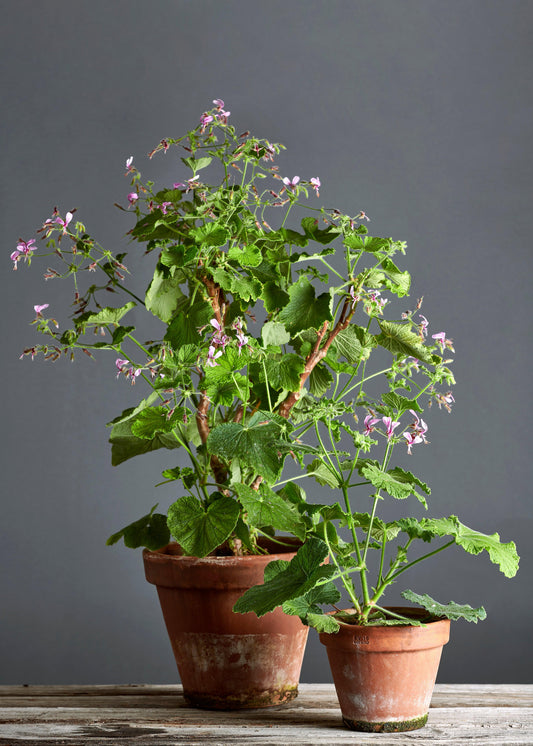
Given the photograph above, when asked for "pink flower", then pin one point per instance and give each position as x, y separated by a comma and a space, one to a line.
418, 432
24, 249
218, 103
390, 425
315, 183
370, 421
291, 183
38, 309
190, 184
212, 356
133, 197
445, 400
59, 220
441, 340
423, 326
363, 216
129, 161
412, 439
163, 207
355, 298
206, 119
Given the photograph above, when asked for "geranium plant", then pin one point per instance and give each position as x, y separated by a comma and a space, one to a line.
263, 360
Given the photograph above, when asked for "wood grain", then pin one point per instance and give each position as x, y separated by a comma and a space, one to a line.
139, 715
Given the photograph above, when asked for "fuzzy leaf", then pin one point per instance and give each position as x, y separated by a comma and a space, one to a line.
304, 310
401, 403
284, 371
184, 328
253, 443
353, 343
451, 610
211, 234
199, 530
125, 445
302, 573
107, 315
396, 482
150, 531
400, 340
163, 295
274, 333
266, 508
153, 420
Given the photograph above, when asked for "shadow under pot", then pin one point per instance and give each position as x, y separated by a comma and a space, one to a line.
384, 676
226, 660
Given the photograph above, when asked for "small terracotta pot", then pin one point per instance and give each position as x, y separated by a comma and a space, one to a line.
225, 660
384, 676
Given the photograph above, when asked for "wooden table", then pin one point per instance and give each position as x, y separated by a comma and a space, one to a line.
142, 715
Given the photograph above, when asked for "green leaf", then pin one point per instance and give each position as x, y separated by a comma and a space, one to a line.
196, 164
184, 328
253, 443
353, 343
266, 508
121, 332
150, 531
248, 256
320, 380
396, 482
211, 234
400, 403
302, 573
324, 236
474, 542
398, 339
273, 297
198, 529
284, 371
274, 333
304, 310
163, 295
107, 315
125, 445
307, 607
153, 420
451, 610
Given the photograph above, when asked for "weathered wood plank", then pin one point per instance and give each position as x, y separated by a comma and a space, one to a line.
139, 715
450, 726
311, 695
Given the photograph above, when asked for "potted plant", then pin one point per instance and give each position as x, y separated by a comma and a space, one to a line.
264, 343
216, 383
384, 660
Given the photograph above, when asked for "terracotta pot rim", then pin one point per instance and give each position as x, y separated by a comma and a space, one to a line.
172, 553
359, 639
408, 611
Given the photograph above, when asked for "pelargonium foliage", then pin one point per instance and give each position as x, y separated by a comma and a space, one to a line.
263, 361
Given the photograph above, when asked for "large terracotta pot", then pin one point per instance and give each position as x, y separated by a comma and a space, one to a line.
384, 676
226, 660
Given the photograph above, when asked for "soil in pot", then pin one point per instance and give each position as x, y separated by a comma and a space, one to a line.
226, 660
384, 676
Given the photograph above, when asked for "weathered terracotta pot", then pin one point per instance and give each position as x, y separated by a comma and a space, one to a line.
384, 676
226, 660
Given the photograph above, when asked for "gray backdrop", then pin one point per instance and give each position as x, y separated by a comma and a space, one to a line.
416, 111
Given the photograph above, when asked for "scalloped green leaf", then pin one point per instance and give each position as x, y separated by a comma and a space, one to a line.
198, 529
451, 610
400, 340
150, 531
305, 310
107, 315
303, 572
253, 443
266, 508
